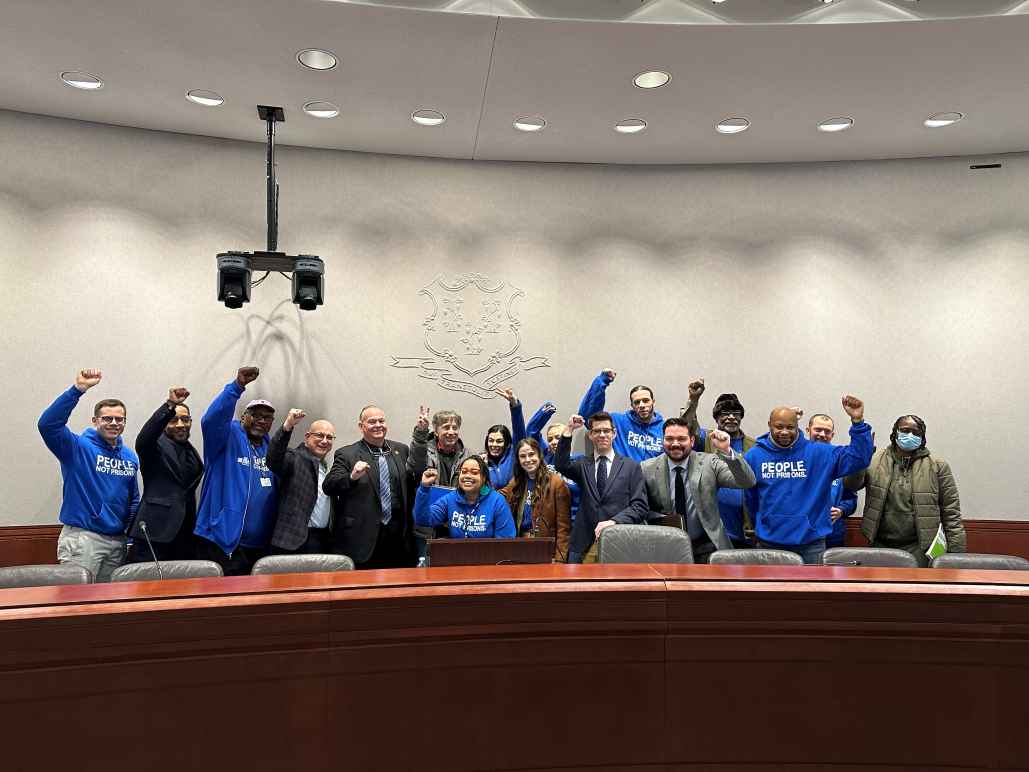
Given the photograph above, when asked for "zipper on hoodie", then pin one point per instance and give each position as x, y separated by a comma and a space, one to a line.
246, 505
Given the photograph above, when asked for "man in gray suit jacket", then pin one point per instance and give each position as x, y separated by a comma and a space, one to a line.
682, 484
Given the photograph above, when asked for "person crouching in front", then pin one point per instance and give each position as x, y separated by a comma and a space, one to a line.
472, 511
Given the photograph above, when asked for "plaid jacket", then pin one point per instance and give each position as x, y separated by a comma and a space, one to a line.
297, 470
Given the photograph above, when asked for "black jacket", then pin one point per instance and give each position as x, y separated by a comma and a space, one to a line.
297, 470
169, 499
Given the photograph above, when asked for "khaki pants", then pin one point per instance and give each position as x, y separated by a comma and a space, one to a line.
96, 552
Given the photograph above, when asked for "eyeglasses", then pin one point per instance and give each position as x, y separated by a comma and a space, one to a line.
730, 414
321, 436
111, 420
602, 431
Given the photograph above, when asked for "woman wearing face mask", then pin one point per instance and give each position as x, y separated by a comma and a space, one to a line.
539, 498
499, 455
909, 494
472, 511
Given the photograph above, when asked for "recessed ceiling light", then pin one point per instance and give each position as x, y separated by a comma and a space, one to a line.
532, 123
651, 79
940, 120
206, 98
428, 117
321, 109
836, 124
732, 125
631, 126
317, 59
83, 80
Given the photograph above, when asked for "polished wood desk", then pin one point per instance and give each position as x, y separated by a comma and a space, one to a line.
522, 667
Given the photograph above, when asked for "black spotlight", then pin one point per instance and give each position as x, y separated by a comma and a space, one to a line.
233, 279
308, 284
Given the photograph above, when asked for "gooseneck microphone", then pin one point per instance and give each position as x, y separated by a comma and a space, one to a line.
146, 535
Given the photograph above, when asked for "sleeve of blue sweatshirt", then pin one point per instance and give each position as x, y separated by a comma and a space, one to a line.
53, 425
218, 418
534, 429
848, 459
848, 502
517, 423
503, 523
595, 397
426, 514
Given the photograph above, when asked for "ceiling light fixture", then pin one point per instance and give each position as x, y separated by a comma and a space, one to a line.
532, 123
651, 79
319, 108
82, 80
317, 59
732, 125
836, 124
940, 120
203, 97
631, 126
428, 117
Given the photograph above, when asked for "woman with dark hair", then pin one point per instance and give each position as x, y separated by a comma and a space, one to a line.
909, 494
499, 456
473, 511
539, 498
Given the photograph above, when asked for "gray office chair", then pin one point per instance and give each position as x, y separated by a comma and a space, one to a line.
644, 544
879, 557
44, 575
756, 557
170, 569
302, 564
981, 560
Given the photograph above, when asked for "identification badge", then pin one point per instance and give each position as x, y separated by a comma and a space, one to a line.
266, 482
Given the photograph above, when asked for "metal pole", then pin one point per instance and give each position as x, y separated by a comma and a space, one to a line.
273, 214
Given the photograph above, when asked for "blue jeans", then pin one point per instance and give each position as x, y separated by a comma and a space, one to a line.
811, 553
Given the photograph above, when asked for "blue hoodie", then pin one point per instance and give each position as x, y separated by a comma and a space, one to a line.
534, 430
101, 493
500, 472
488, 517
633, 438
790, 503
847, 501
238, 502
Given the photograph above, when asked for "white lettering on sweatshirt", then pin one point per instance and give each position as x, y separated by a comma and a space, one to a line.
118, 467
783, 470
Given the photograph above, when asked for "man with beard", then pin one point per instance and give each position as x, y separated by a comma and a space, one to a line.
171, 470
683, 485
728, 414
638, 430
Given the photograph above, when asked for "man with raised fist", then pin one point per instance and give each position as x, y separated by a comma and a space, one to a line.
238, 499
101, 494
171, 469
638, 430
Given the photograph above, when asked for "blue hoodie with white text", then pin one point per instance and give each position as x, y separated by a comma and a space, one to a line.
488, 517
633, 438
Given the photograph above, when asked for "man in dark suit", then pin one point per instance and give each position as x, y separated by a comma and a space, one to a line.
171, 470
682, 484
612, 485
373, 483
305, 511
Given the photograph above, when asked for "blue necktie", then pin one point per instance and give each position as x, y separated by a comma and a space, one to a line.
385, 494
601, 476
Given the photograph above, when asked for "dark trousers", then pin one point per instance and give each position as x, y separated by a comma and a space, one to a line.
239, 564
319, 542
703, 548
390, 551
182, 547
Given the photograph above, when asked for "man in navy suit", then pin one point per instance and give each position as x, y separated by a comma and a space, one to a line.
612, 485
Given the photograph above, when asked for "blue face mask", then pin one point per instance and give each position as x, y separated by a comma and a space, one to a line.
908, 441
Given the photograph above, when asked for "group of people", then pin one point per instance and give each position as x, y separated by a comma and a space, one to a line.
380, 501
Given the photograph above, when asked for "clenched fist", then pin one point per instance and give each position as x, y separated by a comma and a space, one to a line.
609, 374
246, 374
854, 407
429, 477
293, 417
177, 395
696, 390
360, 470
87, 379
575, 422
721, 441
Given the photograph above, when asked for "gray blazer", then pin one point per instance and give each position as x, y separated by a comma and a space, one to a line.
707, 473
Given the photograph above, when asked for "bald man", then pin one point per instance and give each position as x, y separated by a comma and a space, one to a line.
791, 501
305, 511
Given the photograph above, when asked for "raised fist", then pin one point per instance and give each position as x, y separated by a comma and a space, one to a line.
177, 395
87, 379
798, 410
508, 394
721, 441
423, 418
246, 374
549, 408
293, 417
609, 374
854, 407
575, 422
696, 389
359, 470
429, 477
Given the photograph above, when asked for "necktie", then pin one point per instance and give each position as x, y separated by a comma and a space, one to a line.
690, 519
680, 495
385, 494
601, 476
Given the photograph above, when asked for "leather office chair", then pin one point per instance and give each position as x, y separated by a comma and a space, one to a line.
981, 560
879, 557
170, 569
302, 564
44, 575
756, 557
644, 544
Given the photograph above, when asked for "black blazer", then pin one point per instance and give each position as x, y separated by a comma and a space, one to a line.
297, 470
358, 505
625, 495
169, 499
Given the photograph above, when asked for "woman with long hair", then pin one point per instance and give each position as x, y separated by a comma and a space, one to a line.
499, 456
539, 499
472, 511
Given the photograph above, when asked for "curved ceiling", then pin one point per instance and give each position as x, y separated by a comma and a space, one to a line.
785, 66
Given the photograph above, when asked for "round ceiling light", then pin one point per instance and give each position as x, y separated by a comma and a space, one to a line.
532, 123
836, 124
83, 80
940, 120
732, 125
428, 117
203, 97
317, 59
651, 79
631, 126
319, 108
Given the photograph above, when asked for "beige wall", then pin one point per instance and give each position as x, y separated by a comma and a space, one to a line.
902, 282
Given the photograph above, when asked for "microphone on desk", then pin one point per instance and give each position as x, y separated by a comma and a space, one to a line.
146, 535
